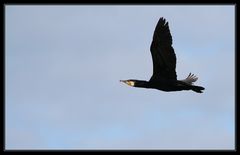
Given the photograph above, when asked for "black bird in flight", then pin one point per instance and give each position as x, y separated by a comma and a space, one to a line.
164, 65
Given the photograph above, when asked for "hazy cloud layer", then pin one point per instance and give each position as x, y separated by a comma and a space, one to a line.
64, 63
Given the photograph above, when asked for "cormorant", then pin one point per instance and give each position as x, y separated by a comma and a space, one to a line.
164, 64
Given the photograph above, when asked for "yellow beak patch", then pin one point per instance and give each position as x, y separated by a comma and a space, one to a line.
130, 83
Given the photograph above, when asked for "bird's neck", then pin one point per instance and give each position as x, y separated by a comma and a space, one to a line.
142, 84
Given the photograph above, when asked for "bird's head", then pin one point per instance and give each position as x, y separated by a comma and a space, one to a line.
129, 82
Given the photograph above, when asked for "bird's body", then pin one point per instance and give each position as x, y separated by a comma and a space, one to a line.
164, 65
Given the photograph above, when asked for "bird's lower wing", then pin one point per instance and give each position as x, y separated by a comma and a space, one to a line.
164, 62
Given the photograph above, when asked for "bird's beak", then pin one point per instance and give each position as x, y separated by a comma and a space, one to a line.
130, 83
123, 81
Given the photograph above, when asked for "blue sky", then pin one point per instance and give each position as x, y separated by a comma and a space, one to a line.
64, 63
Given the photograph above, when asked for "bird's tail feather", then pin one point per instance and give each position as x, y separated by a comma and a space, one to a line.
197, 89
190, 80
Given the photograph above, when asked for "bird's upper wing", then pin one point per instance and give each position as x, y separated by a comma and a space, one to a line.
163, 56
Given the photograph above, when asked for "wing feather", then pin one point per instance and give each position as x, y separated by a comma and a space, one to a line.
163, 55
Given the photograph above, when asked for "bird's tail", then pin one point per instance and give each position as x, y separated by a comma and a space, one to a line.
197, 89
190, 80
